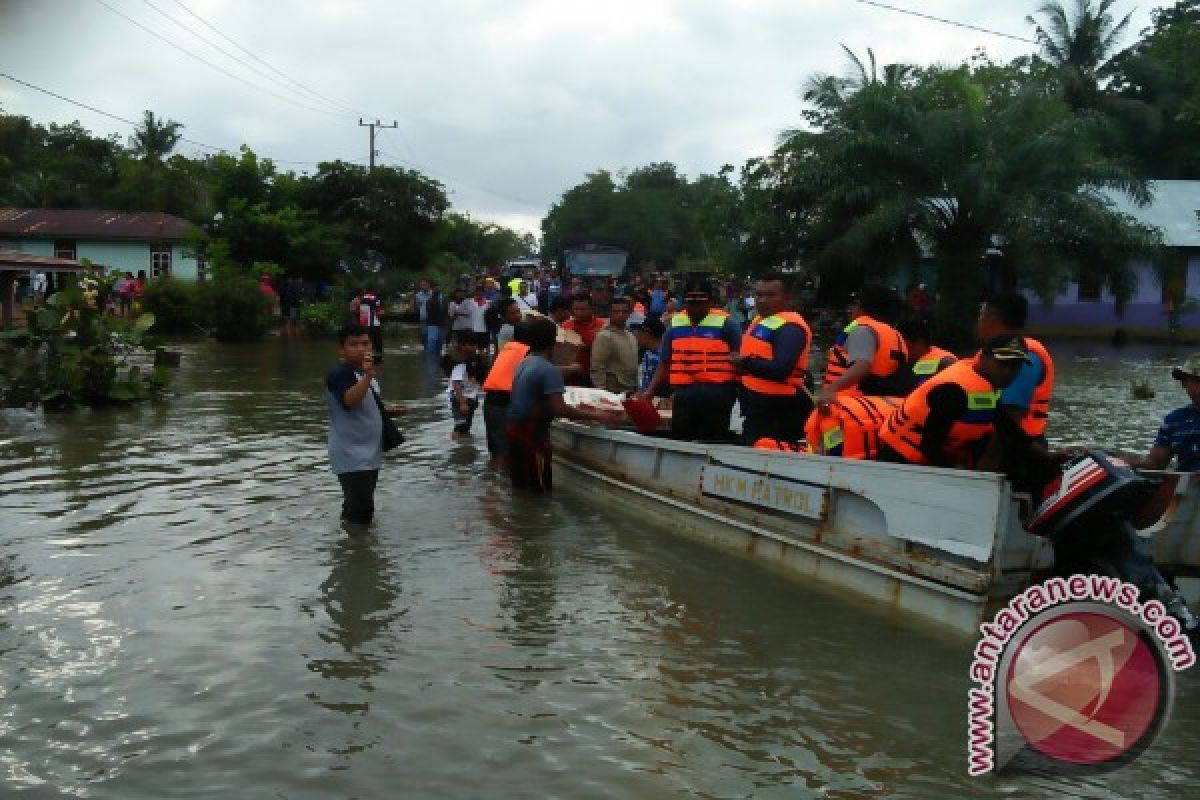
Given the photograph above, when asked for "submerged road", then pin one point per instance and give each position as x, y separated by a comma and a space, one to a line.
180, 617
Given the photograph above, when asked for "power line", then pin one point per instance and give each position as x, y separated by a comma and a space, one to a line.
287, 77
256, 70
265, 63
217, 67
446, 180
135, 125
945, 21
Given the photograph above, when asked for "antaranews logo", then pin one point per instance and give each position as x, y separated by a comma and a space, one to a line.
1073, 674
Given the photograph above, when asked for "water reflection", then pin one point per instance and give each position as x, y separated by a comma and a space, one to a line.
359, 599
523, 556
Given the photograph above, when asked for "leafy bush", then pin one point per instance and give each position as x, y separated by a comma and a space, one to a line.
233, 310
323, 319
174, 304
71, 353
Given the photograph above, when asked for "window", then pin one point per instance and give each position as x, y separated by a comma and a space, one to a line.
1089, 290
64, 248
160, 261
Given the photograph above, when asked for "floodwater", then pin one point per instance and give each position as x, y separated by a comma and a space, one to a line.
181, 617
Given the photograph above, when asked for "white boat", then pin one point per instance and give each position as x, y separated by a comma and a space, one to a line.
945, 545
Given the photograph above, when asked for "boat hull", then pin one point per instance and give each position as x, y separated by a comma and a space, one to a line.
946, 546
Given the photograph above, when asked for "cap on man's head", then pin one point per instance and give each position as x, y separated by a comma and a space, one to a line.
1190, 368
1006, 347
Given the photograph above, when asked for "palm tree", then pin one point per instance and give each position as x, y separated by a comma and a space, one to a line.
953, 169
1083, 45
830, 92
155, 138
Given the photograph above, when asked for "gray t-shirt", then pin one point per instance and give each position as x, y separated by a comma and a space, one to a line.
534, 379
861, 344
355, 434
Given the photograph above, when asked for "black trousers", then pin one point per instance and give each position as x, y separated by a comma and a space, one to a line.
462, 422
495, 418
779, 418
358, 495
701, 411
376, 334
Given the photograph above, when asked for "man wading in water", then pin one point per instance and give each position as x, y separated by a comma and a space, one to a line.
356, 425
536, 400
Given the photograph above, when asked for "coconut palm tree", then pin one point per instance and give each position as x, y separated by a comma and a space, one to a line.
155, 138
1082, 44
959, 171
827, 93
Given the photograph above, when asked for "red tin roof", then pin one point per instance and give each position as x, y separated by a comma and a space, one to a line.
54, 223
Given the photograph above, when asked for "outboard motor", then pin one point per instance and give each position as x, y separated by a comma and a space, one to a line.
1086, 513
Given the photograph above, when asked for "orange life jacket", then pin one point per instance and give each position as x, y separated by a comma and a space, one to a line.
851, 428
904, 428
504, 368
1034, 423
700, 354
767, 443
890, 352
930, 364
757, 342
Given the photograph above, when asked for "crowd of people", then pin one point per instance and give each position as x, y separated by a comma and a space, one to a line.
888, 392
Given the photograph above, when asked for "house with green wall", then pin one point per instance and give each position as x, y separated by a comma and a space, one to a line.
116, 240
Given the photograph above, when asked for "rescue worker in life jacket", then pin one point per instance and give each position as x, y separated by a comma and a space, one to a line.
773, 366
498, 385
867, 354
694, 359
499, 381
1025, 404
924, 358
950, 420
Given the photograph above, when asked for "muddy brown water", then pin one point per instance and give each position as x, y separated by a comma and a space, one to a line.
181, 617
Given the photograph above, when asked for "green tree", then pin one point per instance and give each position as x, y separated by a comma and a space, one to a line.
665, 220
1161, 70
1081, 44
958, 167
155, 138
387, 215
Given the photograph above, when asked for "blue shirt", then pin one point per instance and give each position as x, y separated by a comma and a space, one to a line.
787, 343
648, 367
534, 379
1180, 432
1020, 392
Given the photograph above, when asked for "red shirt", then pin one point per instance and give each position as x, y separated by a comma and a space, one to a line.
588, 334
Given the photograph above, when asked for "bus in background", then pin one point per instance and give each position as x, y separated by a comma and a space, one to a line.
593, 262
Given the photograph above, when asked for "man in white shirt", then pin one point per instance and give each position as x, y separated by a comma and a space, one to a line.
460, 316
478, 305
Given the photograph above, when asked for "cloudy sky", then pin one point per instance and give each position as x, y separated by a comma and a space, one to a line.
506, 102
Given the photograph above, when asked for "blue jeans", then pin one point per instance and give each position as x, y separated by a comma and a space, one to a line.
433, 341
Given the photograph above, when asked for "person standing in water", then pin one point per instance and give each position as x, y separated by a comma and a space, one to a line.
356, 424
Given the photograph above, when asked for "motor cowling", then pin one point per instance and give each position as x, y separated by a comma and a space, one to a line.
1090, 486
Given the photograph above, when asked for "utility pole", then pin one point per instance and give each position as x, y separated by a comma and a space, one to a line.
373, 126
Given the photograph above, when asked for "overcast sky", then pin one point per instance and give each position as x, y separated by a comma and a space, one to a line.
507, 102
